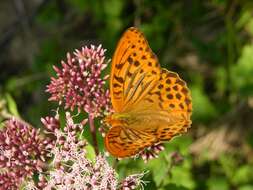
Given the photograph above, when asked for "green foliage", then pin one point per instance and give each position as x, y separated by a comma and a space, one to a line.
241, 73
12, 106
90, 152
174, 187
218, 33
217, 183
203, 109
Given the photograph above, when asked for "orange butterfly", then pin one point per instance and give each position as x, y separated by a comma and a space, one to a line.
151, 104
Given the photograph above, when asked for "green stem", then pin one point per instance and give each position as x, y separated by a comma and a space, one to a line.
93, 133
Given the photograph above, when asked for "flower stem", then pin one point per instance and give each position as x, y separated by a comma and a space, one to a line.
93, 133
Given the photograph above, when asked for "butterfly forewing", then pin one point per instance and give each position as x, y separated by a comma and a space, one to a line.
135, 70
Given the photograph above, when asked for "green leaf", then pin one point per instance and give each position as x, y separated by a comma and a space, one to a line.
174, 187
249, 26
228, 165
218, 183
180, 143
12, 105
246, 187
90, 152
244, 19
163, 169
221, 82
243, 174
184, 174
80, 5
241, 73
203, 109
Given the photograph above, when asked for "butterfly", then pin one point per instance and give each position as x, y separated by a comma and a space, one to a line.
151, 104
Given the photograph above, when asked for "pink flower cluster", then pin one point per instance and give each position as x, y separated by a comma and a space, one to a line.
23, 151
9, 180
59, 155
132, 182
151, 152
71, 169
79, 83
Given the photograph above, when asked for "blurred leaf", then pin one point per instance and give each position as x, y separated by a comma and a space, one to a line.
12, 105
113, 8
150, 185
228, 165
249, 26
243, 174
242, 79
49, 15
218, 183
244, 19
81, 5
249, 139
221, 83
174, 187
112, 12
184, 174
219, 2
203, 109
163, 169
180, 143
246, 187
90, 152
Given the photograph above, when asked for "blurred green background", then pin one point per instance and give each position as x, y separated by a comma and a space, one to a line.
209, 43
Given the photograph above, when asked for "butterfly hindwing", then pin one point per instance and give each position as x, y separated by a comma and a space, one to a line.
170, 94
169, 104
122, 141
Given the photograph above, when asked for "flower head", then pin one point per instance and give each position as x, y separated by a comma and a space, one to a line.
79, 83
23, 150
132, 182
10, 180
151, 152
71, 167
176, 158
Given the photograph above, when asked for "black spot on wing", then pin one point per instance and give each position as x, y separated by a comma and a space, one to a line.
184, 91
169, 96
143, 57
130, 60
117, 92
119, 79
168, 81
187, 101
136, 63
175, 87
172, 75
115, 85
181, 106
119, 66
178, 96
160, 86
